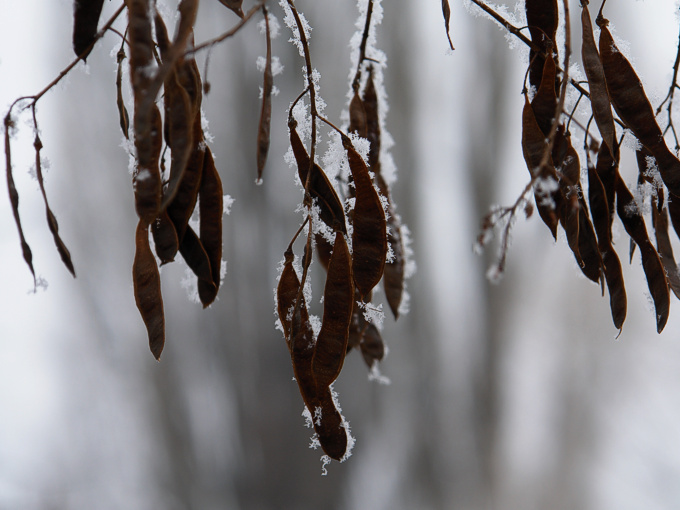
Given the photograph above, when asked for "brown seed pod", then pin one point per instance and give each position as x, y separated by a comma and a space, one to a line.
446, 11
357, 116
597, 85
123, 116
266, 112
85, 19
533, 148
542, 20
663, 244
331, 344
544, 102
369, 237
234, 5
332, 213
194, 254
372, 346
146, 178
165, 238
631, 104
328, 424
147, 287
211, 210
607, 170
370, 104
634, 224
286, 294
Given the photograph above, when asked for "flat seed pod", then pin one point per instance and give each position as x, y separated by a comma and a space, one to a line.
607, 170
332, 213
328, 424
234, 5
613, 274
393, 274
51, 218
179, 123
266, 111
165, 238
370, 104
369, 236
194, 255
147, 287
146, 178
597, 85
544, 102
338, 301
372, 346
85, 20
123, 116
446, 11
663, 244
656, 276
323, 250
542, 22
211, 210
533, 147
631, 104
357, 116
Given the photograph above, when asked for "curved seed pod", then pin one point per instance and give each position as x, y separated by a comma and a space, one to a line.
533, 148
542, 21
266, 112
286, 294
329, 425
331, 344
446, 10
147, 286
194, 255
123, 116
544, 103
357, 116
146, 179
656, 276
178, 127
370, 104
165, 238
597, 85
332, 213
358, 323
631, 104
85, 19
14, 197
369, 237
674, 212
323, 250
211, 210
608, 173
372, 346
599, 210
234, 5
51, 218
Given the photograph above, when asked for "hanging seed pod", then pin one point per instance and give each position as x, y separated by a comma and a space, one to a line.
665, 250
195, 256
542, 20
656, 276
234, 5
613, 274
597, 85
146, 178
370, 104
372, 346
369, 237
544, 102
85, 20
147, 287
446, 10
608, 173
329, 425
320, 188
631, 104
165, 238
331, 345
211, 210
357, 116
266, 112
533, 148
123, 116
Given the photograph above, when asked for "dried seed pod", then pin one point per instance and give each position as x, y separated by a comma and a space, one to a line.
194, 254
656, 276
147, 287
85, 19
323, 250
287, 291
631, 104
234, 5
369, 237
597, 85
372, 346
123, 116
370, 104
165, 238
266, 112
331, 344
51, 218
14, 197
608, 173
211, 210
357, 116
446, 10
663, 244
179, 123
329, 425
146, 178
332, 213
533, 148
544, 102
542, 20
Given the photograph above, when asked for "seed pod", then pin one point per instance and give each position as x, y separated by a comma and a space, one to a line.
599, 210
234, 5
372, 346
329, 425
656, 276
179, 122
147, 287
597, 85
663, 244
85, 19
331, 344
211, 210
446, 10
542, 20
147, 177
194, 255
123, 116
266, 112
323, 250
370, 104
544, 102
357, 116
631, 104
286, 293
165, 238
533, 148
51, 218
369, 237
608, 173
332, 213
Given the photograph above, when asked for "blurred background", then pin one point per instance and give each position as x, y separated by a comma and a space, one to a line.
517, 395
